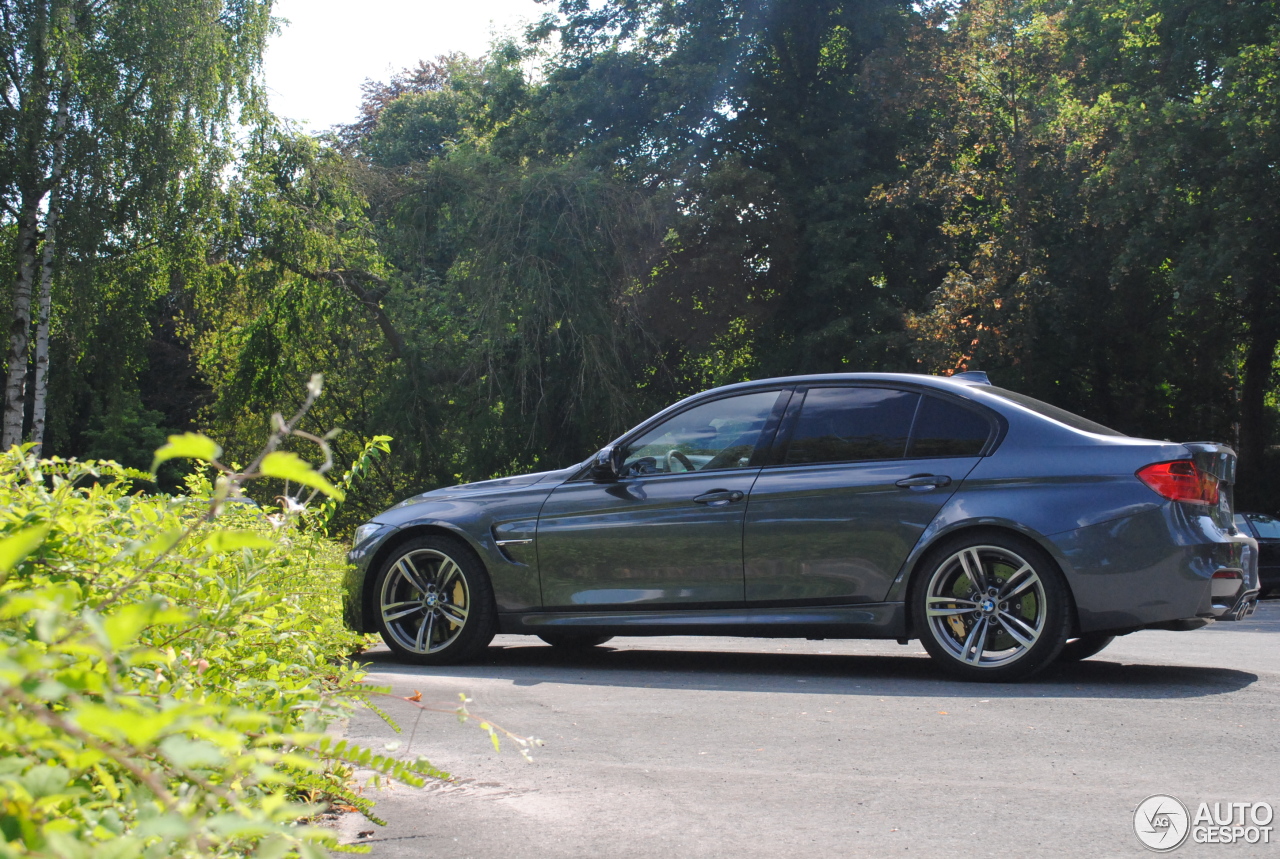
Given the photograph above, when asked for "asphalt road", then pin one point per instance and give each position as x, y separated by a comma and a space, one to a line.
724, 747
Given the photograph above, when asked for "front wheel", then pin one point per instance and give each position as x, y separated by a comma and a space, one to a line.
435, 602
991, 608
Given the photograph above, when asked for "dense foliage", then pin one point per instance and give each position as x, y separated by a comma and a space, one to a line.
504, 260
168, 672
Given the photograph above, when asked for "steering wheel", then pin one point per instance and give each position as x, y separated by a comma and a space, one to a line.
674, 456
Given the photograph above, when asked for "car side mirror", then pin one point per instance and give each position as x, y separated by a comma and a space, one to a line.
607, 466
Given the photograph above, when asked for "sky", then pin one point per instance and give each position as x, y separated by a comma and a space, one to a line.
315, 65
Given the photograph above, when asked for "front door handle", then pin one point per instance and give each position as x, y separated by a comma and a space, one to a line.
927, 481
720, 497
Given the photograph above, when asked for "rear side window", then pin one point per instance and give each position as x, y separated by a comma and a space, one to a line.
944, 428
851, 425
1062, 416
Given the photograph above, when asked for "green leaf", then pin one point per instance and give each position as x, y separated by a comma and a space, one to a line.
230, 541
46, 780
171, 826
161, 543
189, 445
289, 466
123, 847
186, 752
275, 847
125, 624
17, 546
65, 844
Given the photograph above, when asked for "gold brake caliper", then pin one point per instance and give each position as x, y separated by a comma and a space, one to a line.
459, 599
957, 626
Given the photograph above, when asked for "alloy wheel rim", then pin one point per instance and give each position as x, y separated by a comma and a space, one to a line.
425, 601
986, 606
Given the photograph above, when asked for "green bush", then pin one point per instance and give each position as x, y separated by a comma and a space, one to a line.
168, 666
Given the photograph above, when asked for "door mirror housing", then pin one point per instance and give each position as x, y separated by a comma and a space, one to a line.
607, 465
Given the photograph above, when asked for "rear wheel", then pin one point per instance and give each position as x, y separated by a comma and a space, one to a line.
435, 602
1083, 647
574, 641
991, 608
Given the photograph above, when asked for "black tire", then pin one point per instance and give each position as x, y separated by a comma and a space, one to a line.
966, 626
435, 602
574, 641
1083, 647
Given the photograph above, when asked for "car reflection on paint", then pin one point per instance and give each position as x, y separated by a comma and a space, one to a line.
1002, 532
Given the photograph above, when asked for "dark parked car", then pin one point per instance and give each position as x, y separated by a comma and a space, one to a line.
1266, 530
1002, 532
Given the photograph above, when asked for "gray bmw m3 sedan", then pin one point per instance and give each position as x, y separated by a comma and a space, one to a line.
1001, 531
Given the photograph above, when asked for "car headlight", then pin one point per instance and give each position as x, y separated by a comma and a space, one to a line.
365, 531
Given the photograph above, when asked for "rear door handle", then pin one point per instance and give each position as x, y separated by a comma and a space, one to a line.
925, 481
720, 497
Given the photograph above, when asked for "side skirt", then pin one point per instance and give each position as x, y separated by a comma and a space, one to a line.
866, 620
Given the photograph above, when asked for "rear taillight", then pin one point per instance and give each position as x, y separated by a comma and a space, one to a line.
1180, 480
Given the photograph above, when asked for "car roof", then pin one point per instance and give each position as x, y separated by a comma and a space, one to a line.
943, 382
971, 388
913, 378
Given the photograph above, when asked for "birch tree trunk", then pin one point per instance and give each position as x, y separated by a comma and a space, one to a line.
31, 119
47, 257
20, 328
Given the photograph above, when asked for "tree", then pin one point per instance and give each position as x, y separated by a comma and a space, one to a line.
1089, 201
1193, 96
115, 120
759, 122
482, 307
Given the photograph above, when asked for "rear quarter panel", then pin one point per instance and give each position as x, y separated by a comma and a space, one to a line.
1129, 556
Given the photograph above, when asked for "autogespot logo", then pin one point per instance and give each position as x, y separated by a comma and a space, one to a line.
1161, 822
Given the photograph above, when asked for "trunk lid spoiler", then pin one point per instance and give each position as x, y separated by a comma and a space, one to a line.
1220, 461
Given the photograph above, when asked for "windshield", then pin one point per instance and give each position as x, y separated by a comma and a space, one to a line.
1062, 416
1268, 527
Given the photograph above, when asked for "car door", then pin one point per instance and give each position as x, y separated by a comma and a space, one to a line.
859, 473
670, 531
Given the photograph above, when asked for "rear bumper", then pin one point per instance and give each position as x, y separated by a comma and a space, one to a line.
1156, 569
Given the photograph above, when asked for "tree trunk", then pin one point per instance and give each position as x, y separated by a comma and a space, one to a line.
20, 328
1258, 369
31, 124
47, 257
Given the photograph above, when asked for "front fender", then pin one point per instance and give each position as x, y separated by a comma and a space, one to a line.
475, 519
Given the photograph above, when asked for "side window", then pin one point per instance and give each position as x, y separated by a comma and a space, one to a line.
851, 424
719, 434
946, 429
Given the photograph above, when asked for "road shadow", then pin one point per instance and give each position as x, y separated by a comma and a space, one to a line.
810, 673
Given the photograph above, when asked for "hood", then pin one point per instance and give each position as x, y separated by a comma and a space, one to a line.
499, 484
